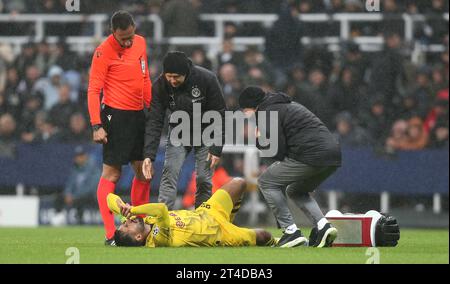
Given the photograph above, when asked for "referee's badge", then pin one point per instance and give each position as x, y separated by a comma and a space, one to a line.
196, 92
143, 66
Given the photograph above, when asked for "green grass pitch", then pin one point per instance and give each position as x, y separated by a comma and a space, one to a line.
49, 245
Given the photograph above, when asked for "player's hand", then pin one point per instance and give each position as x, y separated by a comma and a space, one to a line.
100, 136
214, 160
147, 168
125, 210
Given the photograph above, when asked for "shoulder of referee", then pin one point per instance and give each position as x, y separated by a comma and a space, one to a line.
140, 40
102, 51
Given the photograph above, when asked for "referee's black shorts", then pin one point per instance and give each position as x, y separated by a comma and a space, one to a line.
126, 130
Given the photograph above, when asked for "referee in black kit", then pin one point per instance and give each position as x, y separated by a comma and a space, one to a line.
181, 85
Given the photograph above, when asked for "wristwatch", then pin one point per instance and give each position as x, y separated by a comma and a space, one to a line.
96, 127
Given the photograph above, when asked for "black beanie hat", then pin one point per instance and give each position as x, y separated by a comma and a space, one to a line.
251, 97
176, 62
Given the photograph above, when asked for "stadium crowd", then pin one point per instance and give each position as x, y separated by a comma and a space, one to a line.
380, 99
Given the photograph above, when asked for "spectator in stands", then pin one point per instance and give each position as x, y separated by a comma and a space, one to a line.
11, 81
256, 67
81, 187
318, 57
397, 134
44, 58
353, 6
48, 7
13, 7
28, 85
301, 91
436, 28
439, 80
355, 59
422, 91
231, 85
415, 139
6, 57
375, 121
26, 59
393, 21
50, 86
349, 133
439, 134
8, 136
283, 44
154, 6
45, 131
230, 6
228, 54
255, 76
181, 17
297, 76
319, 89
305, 7
77, 131
11, 99
230, 30
408, 107
334, 6
439, 111
64, 58
412, 8
32, 105
347, 94
199, 58
388, 72
61, 112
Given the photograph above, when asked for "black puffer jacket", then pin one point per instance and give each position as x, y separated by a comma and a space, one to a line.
201, 86
301, 135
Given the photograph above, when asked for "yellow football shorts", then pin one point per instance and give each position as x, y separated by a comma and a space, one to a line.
220, 206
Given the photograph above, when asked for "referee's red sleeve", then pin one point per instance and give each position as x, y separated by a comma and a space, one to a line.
99, 68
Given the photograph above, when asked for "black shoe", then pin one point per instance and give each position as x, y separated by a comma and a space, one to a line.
292, 240
324, 237
313, 236
110, 242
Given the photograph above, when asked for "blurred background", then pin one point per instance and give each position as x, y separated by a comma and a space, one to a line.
378, 80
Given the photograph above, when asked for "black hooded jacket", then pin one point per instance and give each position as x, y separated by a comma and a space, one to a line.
201, 86
301, 135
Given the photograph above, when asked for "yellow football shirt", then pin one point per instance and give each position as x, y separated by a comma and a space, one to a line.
209, 225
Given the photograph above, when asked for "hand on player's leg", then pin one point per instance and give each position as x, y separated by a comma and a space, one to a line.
147, 168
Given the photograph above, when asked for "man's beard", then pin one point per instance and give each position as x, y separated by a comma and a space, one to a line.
141, 223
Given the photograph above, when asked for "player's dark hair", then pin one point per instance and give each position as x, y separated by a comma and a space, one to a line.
121, 20
125, 240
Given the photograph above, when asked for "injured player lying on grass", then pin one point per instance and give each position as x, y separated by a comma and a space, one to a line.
152, 225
